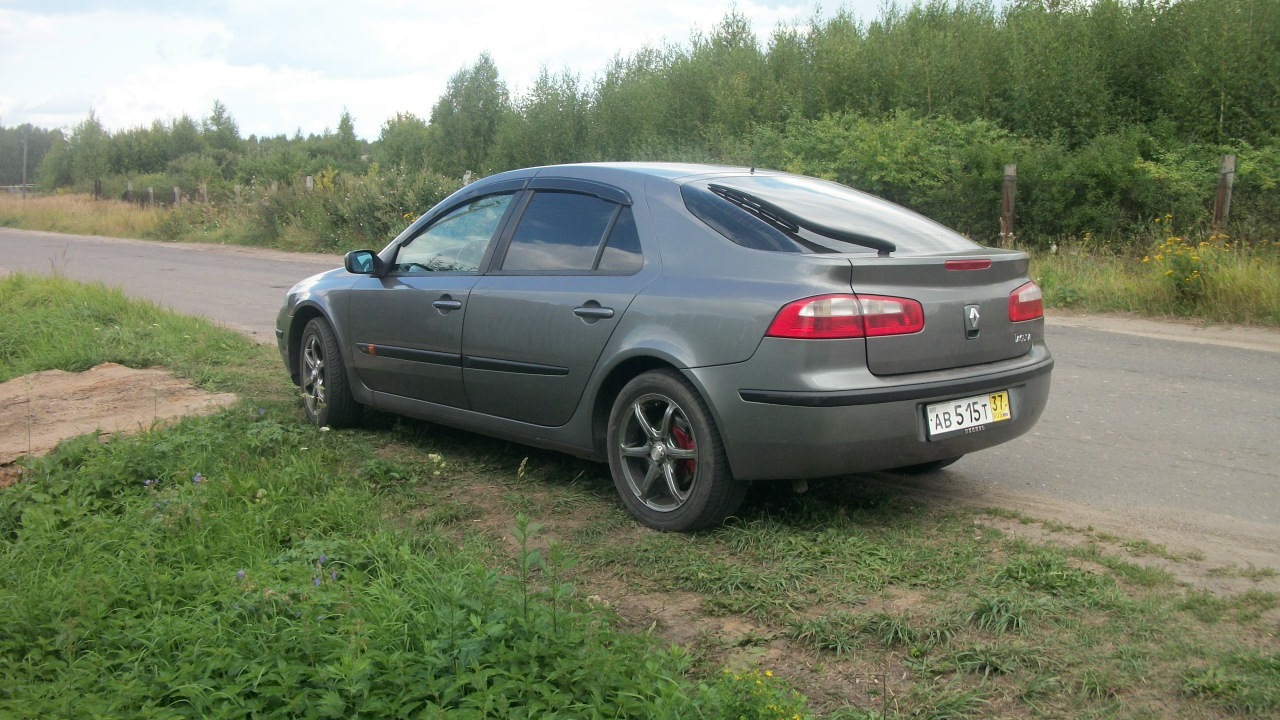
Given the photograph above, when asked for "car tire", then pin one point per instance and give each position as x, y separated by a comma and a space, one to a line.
666, 456
925, 468
326, 393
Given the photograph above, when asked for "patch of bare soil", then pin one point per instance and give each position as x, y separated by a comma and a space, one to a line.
39, 410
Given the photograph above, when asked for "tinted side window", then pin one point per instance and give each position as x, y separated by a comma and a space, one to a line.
622, 253
456, 242
559, 232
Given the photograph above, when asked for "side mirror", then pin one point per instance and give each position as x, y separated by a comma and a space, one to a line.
362, 262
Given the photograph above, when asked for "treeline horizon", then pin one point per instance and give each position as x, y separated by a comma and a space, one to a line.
1116, 114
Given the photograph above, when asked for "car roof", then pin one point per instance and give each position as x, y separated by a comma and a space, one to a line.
606, 171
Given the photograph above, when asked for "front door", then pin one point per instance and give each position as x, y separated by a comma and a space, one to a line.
407, 325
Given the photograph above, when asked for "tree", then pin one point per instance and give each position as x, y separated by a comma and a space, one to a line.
37, 141
221, 131
465, 119
140, 150
344, 146
403, 142
630, 106
90, 153
54, 170
184, 138
549, 127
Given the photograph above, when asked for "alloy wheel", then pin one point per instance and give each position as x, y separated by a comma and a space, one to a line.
659, 452
313, 374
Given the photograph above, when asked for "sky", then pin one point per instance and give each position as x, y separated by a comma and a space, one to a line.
280, 66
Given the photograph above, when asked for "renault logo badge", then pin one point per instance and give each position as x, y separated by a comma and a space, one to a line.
971, 318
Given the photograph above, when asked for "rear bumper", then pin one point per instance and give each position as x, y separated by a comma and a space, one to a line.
811, 434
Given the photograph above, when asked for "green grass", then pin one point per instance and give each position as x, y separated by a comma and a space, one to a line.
55, 323
249, 565
1245, 683
389, 569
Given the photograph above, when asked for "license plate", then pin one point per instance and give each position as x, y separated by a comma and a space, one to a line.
970, 414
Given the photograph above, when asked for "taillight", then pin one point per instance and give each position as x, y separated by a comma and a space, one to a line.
1026, 303
974, 264
830, 317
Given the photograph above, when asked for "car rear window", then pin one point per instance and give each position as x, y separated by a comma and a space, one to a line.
820, 203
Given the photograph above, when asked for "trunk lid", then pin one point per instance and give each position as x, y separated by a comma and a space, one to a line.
966, 312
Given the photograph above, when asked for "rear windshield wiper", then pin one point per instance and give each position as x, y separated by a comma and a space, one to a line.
793, 222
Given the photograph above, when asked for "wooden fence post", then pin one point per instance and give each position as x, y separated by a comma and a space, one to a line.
151, 197
1008, 191
97, 189
128, 191
177, 197
1222, 202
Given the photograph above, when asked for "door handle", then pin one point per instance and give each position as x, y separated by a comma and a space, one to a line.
593, 313
446, 305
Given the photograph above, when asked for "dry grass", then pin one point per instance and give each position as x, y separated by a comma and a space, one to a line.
80, 215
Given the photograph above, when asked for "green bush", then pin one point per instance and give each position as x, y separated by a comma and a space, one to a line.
343, 212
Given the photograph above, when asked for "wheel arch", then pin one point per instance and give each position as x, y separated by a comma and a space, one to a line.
617, 378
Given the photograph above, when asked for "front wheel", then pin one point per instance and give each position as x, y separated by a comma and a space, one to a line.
326, 395
666, 456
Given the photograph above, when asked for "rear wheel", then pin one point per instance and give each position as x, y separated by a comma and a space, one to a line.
326, 395
924, 468
666, 456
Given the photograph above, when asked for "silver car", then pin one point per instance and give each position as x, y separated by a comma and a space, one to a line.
698, 327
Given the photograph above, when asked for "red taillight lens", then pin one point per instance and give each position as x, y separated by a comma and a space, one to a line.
830, 317
974, 264
891, 315
1026, 303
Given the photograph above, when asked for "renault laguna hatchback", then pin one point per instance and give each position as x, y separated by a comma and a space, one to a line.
697, 327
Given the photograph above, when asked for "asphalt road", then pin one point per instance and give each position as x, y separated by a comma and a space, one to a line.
1156, 422
238, 287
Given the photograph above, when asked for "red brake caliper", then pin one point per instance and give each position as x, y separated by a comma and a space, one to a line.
684, 442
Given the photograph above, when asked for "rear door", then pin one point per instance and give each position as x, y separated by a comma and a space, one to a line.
538, 321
